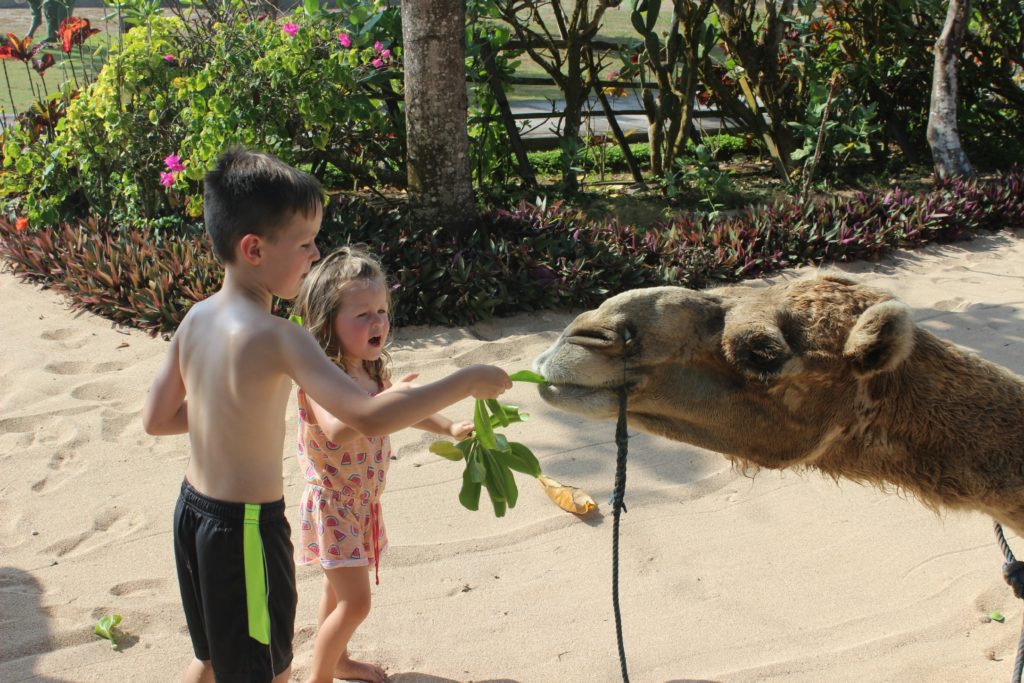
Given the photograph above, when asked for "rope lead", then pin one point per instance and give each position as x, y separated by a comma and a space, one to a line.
1013, 576
618, 507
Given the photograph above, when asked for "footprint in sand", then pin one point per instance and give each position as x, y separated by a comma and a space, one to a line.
115, 423
954, 304
63, 465
108, 527
41, 428
82, 368
13, 531
139, 588
509, 352
68, 337
101, 390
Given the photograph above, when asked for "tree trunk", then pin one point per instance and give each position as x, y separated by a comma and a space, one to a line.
436, 104
943, 137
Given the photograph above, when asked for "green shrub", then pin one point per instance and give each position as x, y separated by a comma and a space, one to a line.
308, 99
723, 146
524, 259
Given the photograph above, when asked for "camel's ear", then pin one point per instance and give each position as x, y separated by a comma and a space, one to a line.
758, 350
881, 339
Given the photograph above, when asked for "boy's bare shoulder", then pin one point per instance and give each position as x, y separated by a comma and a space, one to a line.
226, 320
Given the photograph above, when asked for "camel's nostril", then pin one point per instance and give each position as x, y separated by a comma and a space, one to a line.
593, 337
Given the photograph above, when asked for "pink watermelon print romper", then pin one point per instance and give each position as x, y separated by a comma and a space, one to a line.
340, 523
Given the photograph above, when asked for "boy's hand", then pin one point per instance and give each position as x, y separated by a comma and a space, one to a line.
460, 430
488, 381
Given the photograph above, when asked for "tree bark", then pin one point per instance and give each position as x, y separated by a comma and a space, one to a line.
436, 103
943, 137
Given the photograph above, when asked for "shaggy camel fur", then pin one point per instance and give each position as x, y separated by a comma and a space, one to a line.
823, 373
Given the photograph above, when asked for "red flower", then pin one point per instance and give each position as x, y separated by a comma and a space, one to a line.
21, 225
74, 31
43, 64
21, 50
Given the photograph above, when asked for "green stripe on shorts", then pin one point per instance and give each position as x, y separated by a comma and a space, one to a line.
255, 576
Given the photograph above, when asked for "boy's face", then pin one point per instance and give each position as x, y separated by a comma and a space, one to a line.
290, 254
361, 323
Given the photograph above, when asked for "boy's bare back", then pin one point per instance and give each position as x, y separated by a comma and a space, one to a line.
230, 361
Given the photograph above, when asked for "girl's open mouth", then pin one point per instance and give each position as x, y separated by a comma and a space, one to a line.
375, 341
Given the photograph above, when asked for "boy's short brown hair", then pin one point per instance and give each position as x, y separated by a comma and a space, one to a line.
254, 192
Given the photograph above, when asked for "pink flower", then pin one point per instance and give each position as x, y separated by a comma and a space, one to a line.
378, 46
166, 179
385, 54
345, 41
173, 163
170, 59
378, 63
291, 29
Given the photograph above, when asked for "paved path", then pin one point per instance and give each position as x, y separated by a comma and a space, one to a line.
633, 125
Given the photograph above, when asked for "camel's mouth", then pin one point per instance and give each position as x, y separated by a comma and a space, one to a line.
595, 401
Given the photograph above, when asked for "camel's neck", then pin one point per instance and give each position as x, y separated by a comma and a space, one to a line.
947, 426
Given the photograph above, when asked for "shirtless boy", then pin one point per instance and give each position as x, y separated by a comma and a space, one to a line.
226, 380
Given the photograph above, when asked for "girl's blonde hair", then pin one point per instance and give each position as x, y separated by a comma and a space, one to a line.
322, 292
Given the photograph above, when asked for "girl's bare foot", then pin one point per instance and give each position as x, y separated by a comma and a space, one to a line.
350, 669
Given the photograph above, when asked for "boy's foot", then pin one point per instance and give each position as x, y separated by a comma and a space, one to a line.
350, 669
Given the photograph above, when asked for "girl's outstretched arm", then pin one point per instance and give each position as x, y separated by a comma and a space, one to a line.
400, 407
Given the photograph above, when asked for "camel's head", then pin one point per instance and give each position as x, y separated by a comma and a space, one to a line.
756, 373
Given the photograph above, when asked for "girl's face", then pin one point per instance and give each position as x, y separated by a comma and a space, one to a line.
361, 323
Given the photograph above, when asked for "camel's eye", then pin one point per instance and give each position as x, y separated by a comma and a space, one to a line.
628, 336
759, 353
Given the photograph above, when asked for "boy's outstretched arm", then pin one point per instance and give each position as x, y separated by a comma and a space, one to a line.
166, 410
395, 409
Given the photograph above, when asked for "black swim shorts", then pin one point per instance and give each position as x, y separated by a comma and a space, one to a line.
237, 582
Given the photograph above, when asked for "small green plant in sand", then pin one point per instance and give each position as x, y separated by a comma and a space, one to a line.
490, 457
106, 627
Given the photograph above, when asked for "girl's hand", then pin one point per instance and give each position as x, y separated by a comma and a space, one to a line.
406, 382
460, 430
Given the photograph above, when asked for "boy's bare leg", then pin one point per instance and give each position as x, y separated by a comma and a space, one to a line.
198, 671
351, 588
283, 676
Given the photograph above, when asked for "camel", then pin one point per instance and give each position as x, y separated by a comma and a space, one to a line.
822, 374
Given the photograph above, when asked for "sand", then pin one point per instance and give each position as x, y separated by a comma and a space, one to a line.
779, 577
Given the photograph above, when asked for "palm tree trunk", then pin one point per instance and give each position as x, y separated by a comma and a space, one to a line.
436, 104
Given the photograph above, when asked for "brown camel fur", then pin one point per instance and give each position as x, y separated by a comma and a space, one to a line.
822, 373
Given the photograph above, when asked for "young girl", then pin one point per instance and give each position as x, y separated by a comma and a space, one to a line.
344, 303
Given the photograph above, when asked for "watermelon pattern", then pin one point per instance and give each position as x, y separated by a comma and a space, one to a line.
340, 505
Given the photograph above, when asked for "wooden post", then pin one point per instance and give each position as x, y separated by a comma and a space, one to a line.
609, 113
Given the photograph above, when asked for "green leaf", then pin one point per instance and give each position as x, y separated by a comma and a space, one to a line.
469, 495
996, 616
475, 468
527, 376
446, 449
498, 411
105, 626
297, 319
482, 422
527, 460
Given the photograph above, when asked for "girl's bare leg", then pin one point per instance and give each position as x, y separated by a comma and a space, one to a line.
351, 596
